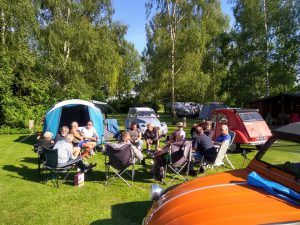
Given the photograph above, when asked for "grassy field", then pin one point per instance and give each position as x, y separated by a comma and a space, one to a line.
24, 200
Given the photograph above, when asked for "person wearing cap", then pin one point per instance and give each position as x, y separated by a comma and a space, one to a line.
179, 134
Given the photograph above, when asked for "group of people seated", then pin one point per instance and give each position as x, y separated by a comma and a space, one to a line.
78, 142
72, 145
202, 143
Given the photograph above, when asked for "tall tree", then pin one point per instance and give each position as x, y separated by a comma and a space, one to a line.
265, 48
179, 34
24, 89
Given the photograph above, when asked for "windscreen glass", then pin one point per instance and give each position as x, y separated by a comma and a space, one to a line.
250, 116
146, 114
284, 155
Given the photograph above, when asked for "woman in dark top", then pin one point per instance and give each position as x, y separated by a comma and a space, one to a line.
203, 146
208, 129
151, 136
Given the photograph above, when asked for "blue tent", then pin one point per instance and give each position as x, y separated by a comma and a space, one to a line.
65, 112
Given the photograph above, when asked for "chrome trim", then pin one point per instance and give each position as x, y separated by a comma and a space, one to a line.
156, 192
257, 143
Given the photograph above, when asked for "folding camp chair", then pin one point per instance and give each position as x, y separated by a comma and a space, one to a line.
40, 156
211, 162
179, 158
118, 158
54, 170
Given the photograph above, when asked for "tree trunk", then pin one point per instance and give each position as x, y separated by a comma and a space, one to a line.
172, 29
267, 49
66, 43
3, 28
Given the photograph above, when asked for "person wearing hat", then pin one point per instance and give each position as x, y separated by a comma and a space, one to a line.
179, 134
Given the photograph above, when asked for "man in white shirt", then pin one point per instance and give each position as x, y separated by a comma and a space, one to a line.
90, 135
65, 154
89, 132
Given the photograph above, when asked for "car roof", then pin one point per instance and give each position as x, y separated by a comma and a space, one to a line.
143, 109
236, 110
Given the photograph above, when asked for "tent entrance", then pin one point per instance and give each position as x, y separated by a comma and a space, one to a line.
78, 113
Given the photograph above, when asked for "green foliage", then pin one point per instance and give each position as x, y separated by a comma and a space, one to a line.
56, 50
12, 130
263, 50
195, 24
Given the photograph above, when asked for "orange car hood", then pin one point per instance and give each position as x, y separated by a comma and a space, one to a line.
223, 198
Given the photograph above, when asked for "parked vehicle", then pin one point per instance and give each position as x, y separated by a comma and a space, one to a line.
208, 108
249, 126
188, 109
266, 192
142, 116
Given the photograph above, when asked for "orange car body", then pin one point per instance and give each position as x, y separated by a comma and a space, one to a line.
227, 198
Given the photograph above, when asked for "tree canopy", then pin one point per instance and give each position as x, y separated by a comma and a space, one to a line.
55, 50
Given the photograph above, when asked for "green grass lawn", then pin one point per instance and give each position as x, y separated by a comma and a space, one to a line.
24, 200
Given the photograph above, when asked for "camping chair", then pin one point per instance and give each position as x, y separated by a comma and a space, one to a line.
212, 162
179, 158
41, 158
119, 158
54, 170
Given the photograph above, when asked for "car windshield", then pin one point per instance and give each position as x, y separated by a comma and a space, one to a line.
284, 155
250, 116
146, 114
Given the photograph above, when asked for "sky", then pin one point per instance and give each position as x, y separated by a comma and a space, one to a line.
132, 13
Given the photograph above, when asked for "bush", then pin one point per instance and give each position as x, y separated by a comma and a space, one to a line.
10, 130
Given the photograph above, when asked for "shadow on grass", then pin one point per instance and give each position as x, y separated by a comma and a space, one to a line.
31, 174
141, 175
126, 213
25, 172
30, 160
29, 139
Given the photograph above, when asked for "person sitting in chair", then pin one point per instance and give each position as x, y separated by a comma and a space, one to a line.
178, 135
135, 136
224, 136
64, 130
90, 135
203, 146
207, 126
126, 139
45, 140
151, 136
79, 141
65, 154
